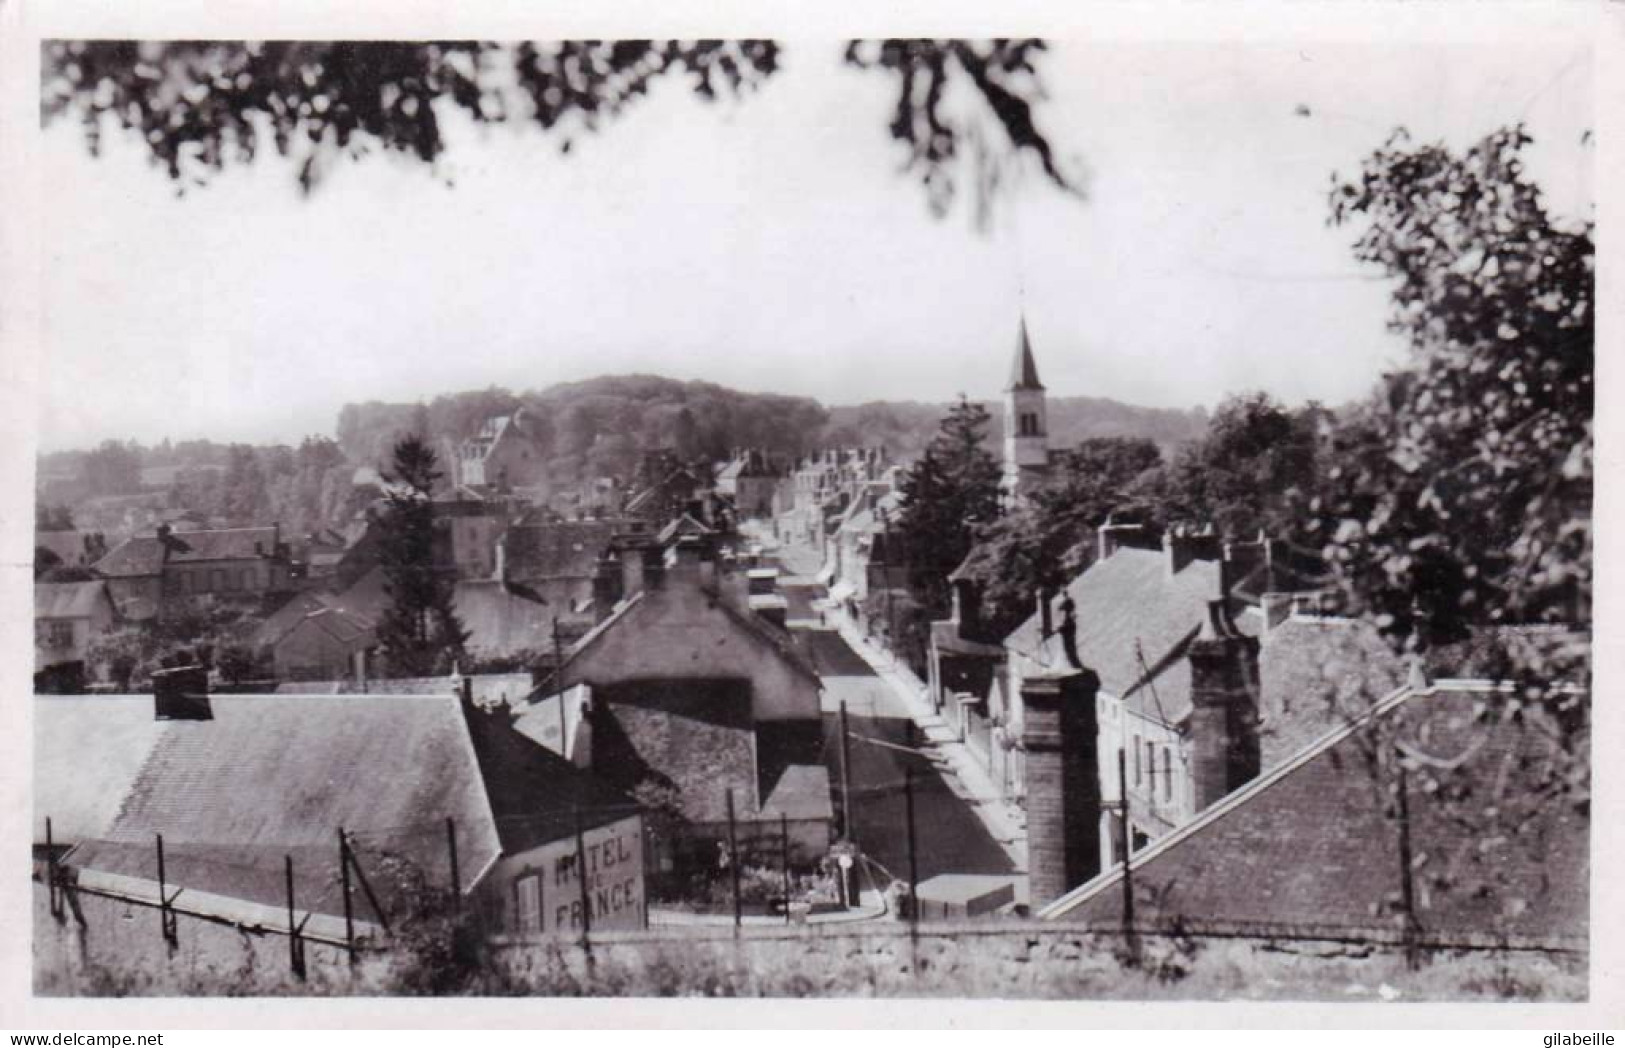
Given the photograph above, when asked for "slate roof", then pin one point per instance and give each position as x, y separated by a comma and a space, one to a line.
222, 544
535, 795
68, 600
285, 618
558, 550
276, 775
1125, 606
132, 558
368, 599
694, 735
1310, 847
343, 626
69, 546
88, 750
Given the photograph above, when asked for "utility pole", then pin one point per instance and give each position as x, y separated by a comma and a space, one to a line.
1128, 878
733, 863
846, 779
581, 872
913, 862
558, 670
784, 845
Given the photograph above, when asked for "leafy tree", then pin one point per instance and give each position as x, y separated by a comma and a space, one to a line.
1050, 538
197, 106
420, 632
1252, 471
1463, 493
951, 489
114, 468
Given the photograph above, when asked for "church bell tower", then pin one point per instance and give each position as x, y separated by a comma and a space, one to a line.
1026, 429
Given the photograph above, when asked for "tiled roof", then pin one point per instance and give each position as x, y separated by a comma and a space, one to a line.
223, 544
142, 555
501, 622
275, 775
1132, 617
69, 546
285, 618
802, 792
68, 600
561, 549
1311, 847
693, 735
537, 796
88, 750
368, 599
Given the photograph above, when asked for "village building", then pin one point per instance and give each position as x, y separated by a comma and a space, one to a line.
1026, 425
68, 617
506, 453
163, 574
751, 479
557, 560
68, 549
1334, 841
88, 750
682, 688
250, 792
861, 561
322, 644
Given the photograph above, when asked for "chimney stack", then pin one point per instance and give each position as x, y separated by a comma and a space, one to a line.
1225, 751
632, 573
1063, 781
181, 693
1183, 547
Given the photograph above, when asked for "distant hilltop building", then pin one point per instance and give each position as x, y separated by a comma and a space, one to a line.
503, 454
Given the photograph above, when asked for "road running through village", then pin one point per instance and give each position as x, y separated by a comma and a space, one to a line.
955, 832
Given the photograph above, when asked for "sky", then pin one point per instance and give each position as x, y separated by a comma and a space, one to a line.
775, 245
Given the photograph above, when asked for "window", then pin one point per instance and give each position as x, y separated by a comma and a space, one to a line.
527, 891
57, 634
1167, 774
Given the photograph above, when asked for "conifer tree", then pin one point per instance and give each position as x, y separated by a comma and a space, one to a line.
420, 632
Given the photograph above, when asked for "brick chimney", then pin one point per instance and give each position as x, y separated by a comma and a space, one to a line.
967, 608
1063, 781
1224, 707
1183, 547
606, 585
632, 574
181, 693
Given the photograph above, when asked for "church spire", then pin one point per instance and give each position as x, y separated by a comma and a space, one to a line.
1023, 369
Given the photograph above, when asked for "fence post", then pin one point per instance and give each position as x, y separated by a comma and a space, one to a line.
296, 951
166, 921
733, 862
366, 889
344, 878
784, 845
581, 874
456, 876
1407, 889
51, 894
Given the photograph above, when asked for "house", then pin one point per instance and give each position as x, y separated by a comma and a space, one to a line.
249, 792
860, 563
556, 560
1348, 836
324, 643
690, 692
506, 453
503, 621
751, 479
163, 573
68, 616
72, 549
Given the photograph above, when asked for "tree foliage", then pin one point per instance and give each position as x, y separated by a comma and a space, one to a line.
1046, 541
419, 631
1463, 491
198, 106
947, 493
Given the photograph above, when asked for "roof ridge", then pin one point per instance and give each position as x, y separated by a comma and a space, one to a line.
1089, 889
